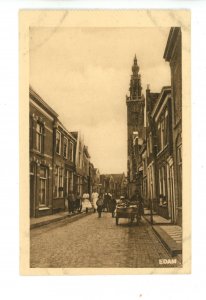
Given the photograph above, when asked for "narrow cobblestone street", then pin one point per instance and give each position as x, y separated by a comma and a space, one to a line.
94, 242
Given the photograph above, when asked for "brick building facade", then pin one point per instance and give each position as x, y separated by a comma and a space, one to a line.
59, 160
173, 54
41, 121
63, 166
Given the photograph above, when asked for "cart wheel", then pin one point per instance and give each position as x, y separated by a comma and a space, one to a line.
117, 221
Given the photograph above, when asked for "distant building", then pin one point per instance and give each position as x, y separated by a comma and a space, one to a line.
96, 181
115, 184
173, 54
86, 171
78, 179
135, 125
82, 163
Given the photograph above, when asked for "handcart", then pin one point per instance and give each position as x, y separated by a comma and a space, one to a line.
131, 212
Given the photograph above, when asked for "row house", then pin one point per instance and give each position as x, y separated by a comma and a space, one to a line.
159, 145
163, 179
86, 170
41, 122
91, 178
161, 160
173, 55
83, 174
94, 177
96, 181
63, 166
79, 174
151, 149
142, 171
59, 160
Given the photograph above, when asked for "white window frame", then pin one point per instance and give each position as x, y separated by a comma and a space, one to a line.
65, 139
71, 181
39, 136
57, 181
61, 182
59, 142
71, 146
67, 182
44, 181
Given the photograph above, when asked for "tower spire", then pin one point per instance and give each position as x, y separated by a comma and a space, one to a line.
135, 82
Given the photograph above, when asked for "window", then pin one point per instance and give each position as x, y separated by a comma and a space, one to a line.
58, 142
162, 131
61, 185
71, 151
159, 136
80, 159
148, 149
65, 148
179, 174
39, 138
58, 182
166, 128
69, 181
79, 185
150, 143
43, 186
162, 185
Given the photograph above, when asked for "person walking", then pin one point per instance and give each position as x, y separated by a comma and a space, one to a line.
99, 206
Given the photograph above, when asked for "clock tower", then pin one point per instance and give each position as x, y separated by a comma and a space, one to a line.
135, 125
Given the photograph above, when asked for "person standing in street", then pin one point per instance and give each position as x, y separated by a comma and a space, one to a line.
99, 206
86, 204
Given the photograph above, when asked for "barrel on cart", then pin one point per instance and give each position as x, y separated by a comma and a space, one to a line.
130, 212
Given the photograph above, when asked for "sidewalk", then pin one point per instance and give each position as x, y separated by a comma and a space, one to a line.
157, 220
169, 234
171, 237
41, 221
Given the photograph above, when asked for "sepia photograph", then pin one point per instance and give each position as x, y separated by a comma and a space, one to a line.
105, 114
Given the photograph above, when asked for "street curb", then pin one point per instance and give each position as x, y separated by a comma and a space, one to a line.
173, 248
159, 223
71, 218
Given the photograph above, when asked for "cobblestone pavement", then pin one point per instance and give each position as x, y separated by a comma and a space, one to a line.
96, 242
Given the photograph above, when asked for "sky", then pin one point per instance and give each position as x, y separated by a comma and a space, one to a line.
84, 74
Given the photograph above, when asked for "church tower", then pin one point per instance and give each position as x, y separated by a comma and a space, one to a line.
135, 124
